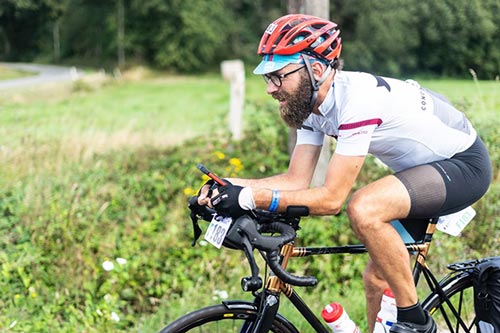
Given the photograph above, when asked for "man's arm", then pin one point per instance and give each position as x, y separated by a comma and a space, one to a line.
297, 177
324, 200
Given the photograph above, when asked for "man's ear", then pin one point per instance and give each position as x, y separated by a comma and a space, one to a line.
318, 69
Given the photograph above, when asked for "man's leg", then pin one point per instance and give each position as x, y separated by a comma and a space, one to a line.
370, 210
375, 285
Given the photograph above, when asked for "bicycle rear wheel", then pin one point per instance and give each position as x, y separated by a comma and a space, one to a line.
457, 314
225, 318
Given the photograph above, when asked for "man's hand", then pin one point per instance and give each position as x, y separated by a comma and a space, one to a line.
205, 192
233, 200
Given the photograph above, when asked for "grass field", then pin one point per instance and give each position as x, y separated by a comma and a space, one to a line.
83, 172
60, 123
10, 73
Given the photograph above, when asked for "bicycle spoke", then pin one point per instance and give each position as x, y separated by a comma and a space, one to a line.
456, 314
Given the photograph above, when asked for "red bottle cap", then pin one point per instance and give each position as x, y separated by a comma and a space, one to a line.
388, 292
332, 312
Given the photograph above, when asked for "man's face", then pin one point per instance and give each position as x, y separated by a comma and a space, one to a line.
295, 99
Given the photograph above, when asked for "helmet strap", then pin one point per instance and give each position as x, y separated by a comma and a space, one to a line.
315, 84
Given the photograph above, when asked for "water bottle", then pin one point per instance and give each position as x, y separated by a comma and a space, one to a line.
387, 314
338, 320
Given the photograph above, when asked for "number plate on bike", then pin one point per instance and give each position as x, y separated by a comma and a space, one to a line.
217, 230
453, 224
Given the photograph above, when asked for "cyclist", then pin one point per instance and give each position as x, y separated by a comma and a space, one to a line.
440, 164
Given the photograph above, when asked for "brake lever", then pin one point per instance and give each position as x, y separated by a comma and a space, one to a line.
201, 211
196, 228
254, 282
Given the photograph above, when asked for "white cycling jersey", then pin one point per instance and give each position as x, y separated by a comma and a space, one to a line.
397, 121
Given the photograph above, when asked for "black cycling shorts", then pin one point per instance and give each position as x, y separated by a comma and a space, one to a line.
448, 186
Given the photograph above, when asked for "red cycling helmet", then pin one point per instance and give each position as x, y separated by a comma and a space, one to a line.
298, 33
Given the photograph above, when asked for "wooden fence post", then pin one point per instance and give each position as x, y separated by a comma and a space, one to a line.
234, 72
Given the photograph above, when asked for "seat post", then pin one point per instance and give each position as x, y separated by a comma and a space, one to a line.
423, 249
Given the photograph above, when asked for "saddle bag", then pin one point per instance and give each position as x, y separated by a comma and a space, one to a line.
486, 283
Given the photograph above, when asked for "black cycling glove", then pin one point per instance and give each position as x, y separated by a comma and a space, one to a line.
227, 201
213, 185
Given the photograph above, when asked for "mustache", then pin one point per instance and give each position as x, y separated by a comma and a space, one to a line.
279, 95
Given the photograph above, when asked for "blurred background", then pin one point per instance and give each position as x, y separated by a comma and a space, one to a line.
393, 37
96, 167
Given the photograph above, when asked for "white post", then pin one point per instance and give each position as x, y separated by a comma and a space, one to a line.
234, 72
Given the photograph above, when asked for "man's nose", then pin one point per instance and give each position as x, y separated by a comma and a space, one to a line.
271, 87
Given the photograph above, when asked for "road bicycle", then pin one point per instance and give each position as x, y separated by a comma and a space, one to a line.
450, 301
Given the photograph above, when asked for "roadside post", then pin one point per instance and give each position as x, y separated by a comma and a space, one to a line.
234, 72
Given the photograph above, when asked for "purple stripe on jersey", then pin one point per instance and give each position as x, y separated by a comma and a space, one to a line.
368, 122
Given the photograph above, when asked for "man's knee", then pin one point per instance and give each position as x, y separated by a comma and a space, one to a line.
359, 212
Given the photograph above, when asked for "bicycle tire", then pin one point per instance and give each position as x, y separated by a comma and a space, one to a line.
460, 292
224, 318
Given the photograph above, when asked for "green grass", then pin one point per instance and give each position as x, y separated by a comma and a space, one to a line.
479, 98
97, 170
75, 125
10, 73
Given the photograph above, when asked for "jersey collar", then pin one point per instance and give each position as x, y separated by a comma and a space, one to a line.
328, 103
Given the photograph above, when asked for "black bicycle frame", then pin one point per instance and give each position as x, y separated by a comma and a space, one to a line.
267, 302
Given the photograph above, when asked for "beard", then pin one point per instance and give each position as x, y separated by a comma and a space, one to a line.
298, 104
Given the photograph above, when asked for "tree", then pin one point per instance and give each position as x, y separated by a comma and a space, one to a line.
185, 35
120, 18
458, 35
382, 37
390, 37
87, 31
22, 26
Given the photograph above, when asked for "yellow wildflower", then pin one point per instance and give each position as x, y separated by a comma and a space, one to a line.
220, 155
188, 191
236, 163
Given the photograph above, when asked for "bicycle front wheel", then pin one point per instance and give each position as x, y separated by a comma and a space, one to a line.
454, 313
225, 318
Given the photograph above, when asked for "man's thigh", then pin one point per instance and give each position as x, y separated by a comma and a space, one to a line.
384, 199
426, 188
447, 186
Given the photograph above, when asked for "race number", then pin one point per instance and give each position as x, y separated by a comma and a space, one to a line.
453, 224
217, 230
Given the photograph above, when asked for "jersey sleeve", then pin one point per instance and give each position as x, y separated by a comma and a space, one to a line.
354, 138
308, 135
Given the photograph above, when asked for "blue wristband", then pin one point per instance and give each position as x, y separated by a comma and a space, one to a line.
273, 207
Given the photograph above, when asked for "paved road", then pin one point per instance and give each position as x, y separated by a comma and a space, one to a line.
45, 74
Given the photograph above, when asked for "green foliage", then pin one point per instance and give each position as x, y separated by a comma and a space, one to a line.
188, 34
129, 205
384, 37
389, 37
401, 37
85, 31
458, 35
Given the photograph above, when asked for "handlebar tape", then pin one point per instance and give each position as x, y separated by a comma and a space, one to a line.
302, 281
271, 245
